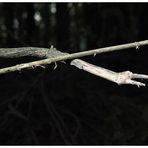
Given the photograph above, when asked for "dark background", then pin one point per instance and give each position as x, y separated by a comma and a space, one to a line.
67, 105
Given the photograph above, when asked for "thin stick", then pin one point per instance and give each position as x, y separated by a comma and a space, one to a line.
66, 56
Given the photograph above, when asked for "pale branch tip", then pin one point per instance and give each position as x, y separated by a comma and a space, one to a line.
116, 77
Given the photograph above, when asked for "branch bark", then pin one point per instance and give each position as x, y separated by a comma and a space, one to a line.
29, 51
51, 52
53, 55
120, 78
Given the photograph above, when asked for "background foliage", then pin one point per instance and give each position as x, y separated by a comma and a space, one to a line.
66, 105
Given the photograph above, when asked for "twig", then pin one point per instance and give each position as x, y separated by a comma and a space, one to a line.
119, 78
55, 55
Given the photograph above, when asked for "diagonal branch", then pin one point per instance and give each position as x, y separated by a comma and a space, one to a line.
52, 52
53, 55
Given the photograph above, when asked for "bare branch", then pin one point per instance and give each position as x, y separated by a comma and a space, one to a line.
54, 55
119, 78
51, 52
29, 51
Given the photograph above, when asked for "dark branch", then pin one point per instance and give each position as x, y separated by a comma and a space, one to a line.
29, 51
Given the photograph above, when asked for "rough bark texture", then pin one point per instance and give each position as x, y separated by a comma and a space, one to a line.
29, 51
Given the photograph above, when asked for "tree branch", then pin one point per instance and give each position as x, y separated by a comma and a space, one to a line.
29, 51
53, 55
124, 77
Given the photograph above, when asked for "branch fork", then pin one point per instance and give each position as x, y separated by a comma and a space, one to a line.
127, 76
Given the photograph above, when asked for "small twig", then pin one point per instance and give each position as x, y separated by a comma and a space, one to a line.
119, 78
54, 55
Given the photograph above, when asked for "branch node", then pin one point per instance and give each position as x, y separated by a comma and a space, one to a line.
51, 46
137, 45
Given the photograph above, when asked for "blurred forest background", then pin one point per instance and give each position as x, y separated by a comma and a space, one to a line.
67, 105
